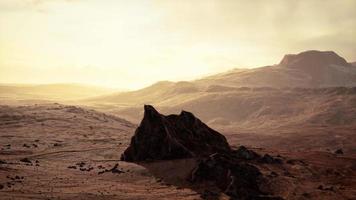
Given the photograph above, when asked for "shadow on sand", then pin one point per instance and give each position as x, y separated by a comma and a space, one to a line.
177, 173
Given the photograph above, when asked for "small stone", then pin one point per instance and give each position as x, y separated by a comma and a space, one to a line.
339, 151
26, 160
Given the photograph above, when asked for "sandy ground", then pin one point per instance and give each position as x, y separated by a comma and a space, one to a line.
55, 138
52, 151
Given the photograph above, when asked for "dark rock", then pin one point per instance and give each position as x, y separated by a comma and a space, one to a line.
331, 188
80, 164
270, 160
339, 151
244, 153
162, 137
26, 160
207, 194
1, 187
237, 179
57, 145
114, 170
306, 195
2, 162
273, 174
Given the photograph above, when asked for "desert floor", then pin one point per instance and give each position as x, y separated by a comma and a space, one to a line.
53, 151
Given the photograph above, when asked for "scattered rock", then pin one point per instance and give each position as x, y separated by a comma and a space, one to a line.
162, 137
273, 174
26, 160
26, 145
57, 145
80, 164
339, 151
295, 162
270, 160
306, 195
244, 153
72, 167
331, 188
114, 170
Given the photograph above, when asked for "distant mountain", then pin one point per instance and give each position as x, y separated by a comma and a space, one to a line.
50, 91
309, 69
309, 87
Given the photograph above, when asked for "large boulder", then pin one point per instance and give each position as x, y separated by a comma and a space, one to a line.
161, 137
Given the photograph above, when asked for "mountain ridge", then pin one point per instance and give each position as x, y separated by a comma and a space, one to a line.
319, 73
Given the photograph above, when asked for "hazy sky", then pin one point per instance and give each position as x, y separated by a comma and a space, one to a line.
130, 44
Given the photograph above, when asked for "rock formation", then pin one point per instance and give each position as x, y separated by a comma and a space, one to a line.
234, 176
162, 137
234, 172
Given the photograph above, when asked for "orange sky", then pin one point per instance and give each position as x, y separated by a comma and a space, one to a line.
130, 44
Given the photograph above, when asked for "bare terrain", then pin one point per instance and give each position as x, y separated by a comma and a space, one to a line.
57, 151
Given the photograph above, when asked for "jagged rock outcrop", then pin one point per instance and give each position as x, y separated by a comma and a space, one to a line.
162, 137
236, 178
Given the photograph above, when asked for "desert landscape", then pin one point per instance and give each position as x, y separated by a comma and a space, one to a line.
177, 100
300, 138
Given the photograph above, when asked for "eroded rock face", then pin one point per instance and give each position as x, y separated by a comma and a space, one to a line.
162, 137
232, 177
235, 176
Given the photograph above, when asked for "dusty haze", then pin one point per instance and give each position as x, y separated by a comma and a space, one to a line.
130, 45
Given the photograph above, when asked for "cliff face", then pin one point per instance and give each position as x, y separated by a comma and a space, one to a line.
162, 137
